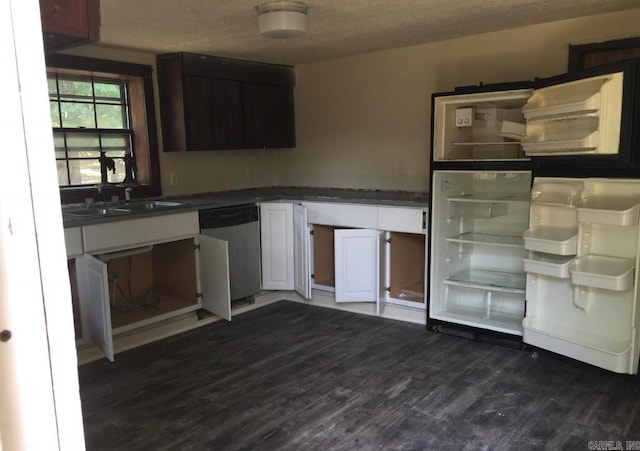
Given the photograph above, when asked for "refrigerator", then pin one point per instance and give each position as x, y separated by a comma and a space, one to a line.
534, 215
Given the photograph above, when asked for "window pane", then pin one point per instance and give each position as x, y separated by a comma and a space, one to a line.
63, 179
113, 142
119, 175
116, 154
84, 172
55, 114
76, 115
81, 142
53, 87
58, 143
75, 88
108, 90
110, 116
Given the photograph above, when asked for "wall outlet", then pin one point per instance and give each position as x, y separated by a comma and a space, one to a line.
251, 174
402, 167
173, 179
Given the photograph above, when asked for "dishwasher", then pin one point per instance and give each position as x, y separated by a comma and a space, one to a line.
239, 226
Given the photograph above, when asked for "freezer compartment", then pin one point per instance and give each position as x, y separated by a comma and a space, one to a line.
147, 284
548, 264
609, 273
481, 126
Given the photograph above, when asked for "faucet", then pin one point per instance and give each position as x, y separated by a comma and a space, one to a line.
106, 164
127, 194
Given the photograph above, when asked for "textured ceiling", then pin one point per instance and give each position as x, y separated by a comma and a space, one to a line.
336, 28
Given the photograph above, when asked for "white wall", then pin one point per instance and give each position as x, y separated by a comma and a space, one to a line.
357, 118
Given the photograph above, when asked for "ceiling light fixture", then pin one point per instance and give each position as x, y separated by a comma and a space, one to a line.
282, 18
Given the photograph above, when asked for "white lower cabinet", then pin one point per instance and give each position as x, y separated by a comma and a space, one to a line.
130, 289
359, 265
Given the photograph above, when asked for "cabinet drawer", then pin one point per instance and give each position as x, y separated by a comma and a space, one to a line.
73, 241
139, 232
399, 219
344, 215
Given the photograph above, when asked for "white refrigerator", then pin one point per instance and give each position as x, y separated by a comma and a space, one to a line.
534, 215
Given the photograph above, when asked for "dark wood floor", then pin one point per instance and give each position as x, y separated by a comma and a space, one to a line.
291, 376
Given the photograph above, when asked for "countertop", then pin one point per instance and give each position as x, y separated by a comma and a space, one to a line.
221, 199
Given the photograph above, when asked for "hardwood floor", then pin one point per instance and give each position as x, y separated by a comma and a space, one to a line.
290, 376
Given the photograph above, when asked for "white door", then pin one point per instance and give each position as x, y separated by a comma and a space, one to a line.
214, 276
358, 265
93, 288
301, 252
276, 243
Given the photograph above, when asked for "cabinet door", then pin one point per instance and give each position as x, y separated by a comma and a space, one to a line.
276, 238
94, 294
213, 115
358, 255
69, 22
214, 276
268, 115
301, 252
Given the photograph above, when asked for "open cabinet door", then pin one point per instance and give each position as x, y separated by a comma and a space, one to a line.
214, 276
93, 280
301, 252
383, 268
357, 256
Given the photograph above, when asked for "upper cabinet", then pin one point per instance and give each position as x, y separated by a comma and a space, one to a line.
212, 103
66, 23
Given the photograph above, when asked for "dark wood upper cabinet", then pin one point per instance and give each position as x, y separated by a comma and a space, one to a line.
67, 23
212, 103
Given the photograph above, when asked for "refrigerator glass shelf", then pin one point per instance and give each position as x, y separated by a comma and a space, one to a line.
490, 197
488, 280
609, 210
599, 271
551, 240
487, 238
486, 143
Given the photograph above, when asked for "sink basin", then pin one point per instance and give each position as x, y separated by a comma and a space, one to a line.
121, 209
149, 205
95, 211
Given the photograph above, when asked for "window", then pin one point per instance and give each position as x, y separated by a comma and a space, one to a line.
104, 130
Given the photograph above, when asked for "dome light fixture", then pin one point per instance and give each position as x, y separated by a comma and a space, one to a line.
282, 18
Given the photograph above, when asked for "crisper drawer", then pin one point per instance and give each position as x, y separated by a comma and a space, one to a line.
400, 219
139, 232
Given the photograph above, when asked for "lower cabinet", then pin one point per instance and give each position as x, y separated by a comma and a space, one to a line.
129, 289
360, 265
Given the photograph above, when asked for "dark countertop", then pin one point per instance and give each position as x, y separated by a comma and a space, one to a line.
200, 201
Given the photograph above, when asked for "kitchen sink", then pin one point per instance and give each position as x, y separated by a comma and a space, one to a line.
121, 209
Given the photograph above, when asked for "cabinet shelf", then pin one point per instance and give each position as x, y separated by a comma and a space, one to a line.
489, 239
551, 240
599, 271
488, 280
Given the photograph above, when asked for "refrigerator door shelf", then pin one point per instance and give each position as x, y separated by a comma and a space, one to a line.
609, 210
608, 353
551, 192
609, 273
548, 264
551, 240
585, 145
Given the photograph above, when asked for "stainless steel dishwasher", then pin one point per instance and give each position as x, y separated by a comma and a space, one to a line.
240, 227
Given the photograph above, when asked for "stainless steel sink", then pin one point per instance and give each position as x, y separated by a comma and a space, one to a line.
121, 209
149, 205
95, 211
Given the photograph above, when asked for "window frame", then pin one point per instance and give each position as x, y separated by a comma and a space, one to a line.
143, 124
